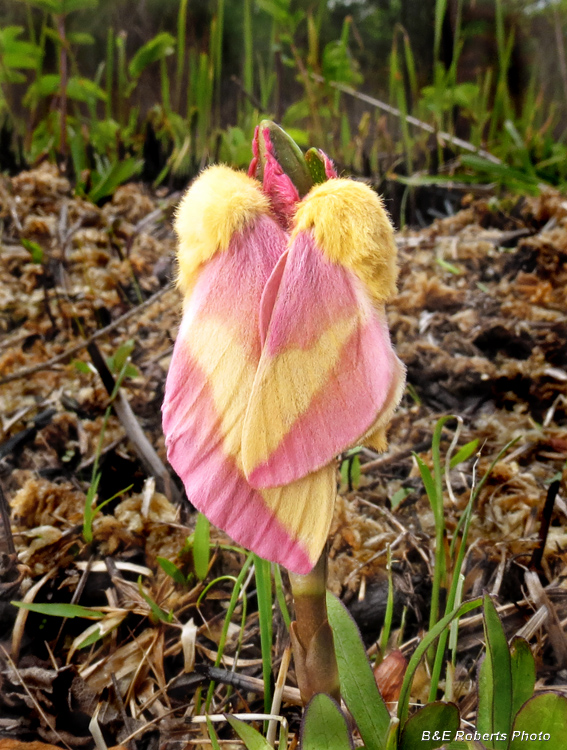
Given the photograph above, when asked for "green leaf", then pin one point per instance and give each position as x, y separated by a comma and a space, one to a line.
358, 686
51, 6
90, 639
201, 547
84, 90
80, 37
545, 713
46, 85
213, 735
448, 267
399, 496
35, 250
495, 680
355, 471
251, 738
119, 172
172, 570
19, 54
157, 612
61, 610
118, 359
160, 46
68, 6
324, 726
464, 453
523, 673
430, 727
278, 9
428, 483
432, 635
504, 173
81, 366
316, 166
287, 153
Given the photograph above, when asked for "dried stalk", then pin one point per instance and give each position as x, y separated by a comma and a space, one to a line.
142, 445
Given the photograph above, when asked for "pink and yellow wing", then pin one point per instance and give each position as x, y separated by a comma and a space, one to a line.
328, 376
224, 267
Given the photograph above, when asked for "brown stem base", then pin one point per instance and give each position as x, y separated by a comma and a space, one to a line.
311, 635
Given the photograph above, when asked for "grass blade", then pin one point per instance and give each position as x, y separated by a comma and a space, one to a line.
358, 686
264, 592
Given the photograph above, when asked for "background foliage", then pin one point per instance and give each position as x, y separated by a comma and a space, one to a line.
161, 88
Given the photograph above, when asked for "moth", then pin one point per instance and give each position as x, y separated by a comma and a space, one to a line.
283, 357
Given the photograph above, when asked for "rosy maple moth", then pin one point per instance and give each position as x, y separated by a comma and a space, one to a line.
283, 357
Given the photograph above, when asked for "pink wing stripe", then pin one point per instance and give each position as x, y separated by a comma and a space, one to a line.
231, 284
341, 413
314, 294
212, 481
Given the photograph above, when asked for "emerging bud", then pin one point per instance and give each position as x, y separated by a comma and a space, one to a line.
279, 164
319, 165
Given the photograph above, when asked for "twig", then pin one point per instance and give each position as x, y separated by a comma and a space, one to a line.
440, 134
381, 463
555, 632
278, 694
537, 555
142, 445
251, 97
27, 371
5, 515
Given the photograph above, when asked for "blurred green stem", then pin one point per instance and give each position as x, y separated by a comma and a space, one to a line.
60, 23
311, 636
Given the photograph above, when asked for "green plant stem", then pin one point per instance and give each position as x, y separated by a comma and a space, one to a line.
438, 512
264, 595
453, 595
110, 44
310, 94
181, 52
60, 24
403, 702
248, 64
311, 636
218, 62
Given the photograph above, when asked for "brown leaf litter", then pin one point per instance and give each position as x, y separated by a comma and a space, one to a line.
481, 324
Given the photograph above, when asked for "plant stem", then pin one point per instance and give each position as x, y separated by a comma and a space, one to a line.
311, 636
60, 22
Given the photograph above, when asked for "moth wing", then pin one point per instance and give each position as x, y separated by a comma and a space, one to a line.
327, 376
208, 386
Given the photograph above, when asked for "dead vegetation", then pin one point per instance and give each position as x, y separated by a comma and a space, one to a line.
481, 323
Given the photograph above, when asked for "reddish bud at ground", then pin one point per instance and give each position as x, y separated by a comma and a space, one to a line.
389, 675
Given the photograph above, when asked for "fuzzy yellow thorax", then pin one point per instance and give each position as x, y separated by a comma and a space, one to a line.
219, 203
351, 226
